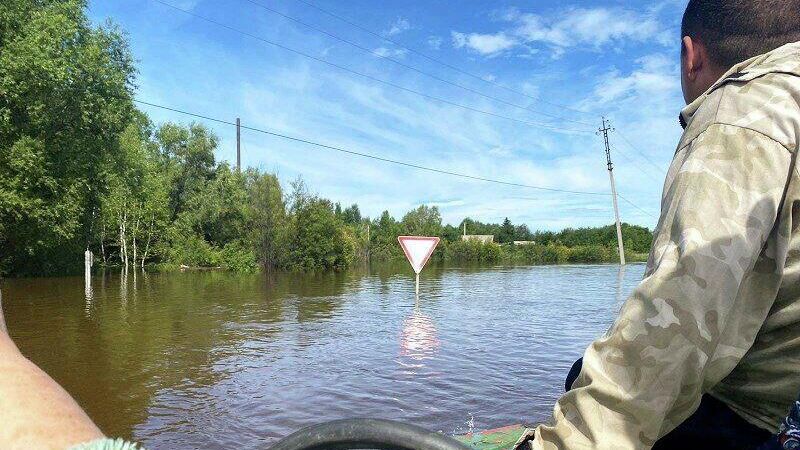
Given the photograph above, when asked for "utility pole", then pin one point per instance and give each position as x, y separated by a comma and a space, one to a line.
606, 128
238, 145
465, 227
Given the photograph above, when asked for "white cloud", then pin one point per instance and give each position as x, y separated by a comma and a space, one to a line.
500, 151
404, 127
434, 42
303, 99
585, 27
447, 203
400, 25
187, 4
595, 27
485, 44
390, 52
653, 82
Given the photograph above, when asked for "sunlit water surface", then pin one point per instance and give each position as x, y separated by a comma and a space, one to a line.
219, 361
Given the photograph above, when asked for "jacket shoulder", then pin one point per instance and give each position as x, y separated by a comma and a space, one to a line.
769, 105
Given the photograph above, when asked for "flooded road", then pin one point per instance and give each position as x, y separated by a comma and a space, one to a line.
217, 361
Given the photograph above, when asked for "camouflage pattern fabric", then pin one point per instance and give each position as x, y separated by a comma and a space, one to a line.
718, 311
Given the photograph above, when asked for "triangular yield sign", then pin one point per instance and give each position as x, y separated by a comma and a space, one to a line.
418, 250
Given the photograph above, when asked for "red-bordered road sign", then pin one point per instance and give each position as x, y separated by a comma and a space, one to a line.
418, 250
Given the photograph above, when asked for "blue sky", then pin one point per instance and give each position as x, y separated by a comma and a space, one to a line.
615, 58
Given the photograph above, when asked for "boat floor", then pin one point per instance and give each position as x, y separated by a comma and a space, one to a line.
497, 439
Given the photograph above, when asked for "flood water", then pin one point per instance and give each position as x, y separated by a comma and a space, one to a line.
218, 361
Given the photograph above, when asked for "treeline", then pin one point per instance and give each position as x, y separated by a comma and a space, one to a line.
81, 168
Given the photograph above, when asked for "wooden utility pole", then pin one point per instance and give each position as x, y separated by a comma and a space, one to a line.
605, 129
238, 145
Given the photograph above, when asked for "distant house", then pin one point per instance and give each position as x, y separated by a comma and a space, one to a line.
482, 238
524, 242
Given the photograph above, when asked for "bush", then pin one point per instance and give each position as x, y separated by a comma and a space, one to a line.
589, 254
238, 257
473, 251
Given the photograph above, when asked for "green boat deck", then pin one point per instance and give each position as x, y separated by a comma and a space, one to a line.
497, 439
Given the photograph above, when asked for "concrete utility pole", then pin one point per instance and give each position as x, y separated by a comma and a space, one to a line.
605, 129
238, 145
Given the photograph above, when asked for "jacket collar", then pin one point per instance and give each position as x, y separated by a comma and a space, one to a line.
779, 60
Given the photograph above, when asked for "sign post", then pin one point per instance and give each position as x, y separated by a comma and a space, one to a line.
418, 250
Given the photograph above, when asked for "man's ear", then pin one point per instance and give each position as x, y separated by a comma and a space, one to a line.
692, 60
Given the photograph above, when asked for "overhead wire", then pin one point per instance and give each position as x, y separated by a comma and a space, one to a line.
388, 160
436, 60
641, 153
370, 156
648, 172
370, 77
410, 67
636, 206
378, 80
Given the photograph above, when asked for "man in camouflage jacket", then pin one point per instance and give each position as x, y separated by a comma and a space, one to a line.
718, 312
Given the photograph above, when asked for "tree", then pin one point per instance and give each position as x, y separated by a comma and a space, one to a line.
318, 240
522, 233
506, 234
383, 238
65, 96
351, 215
189, 159
135, 204
423, 221
268, 217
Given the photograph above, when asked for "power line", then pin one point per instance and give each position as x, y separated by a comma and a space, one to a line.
594, 207
366, 155
410, 67
438, 61
391, 161
370, 77
634, 205
641, 153
639, 166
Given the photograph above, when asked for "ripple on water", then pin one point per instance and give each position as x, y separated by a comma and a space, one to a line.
210, 360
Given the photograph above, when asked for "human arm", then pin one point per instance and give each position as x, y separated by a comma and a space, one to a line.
35, 412
709, 285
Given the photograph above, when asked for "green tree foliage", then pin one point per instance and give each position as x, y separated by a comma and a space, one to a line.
351, 215
637, 239
423, 221
507, 232
268, 218
317, 237
81, 167
383, 238
65, 98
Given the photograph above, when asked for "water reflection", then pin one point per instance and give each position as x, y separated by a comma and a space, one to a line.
217, 361
620, 291
419, 339
88, 293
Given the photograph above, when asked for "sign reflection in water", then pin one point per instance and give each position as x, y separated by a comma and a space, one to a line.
216, 361
419, 340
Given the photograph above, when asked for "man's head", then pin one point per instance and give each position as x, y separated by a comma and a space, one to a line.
718, 34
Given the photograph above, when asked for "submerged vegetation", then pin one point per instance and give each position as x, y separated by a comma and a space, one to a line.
81, 168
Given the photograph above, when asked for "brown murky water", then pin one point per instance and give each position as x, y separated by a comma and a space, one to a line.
215, 360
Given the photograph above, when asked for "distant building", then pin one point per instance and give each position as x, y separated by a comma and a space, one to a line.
524, 242
482, 238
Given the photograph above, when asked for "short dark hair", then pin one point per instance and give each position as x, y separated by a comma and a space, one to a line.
736, 30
